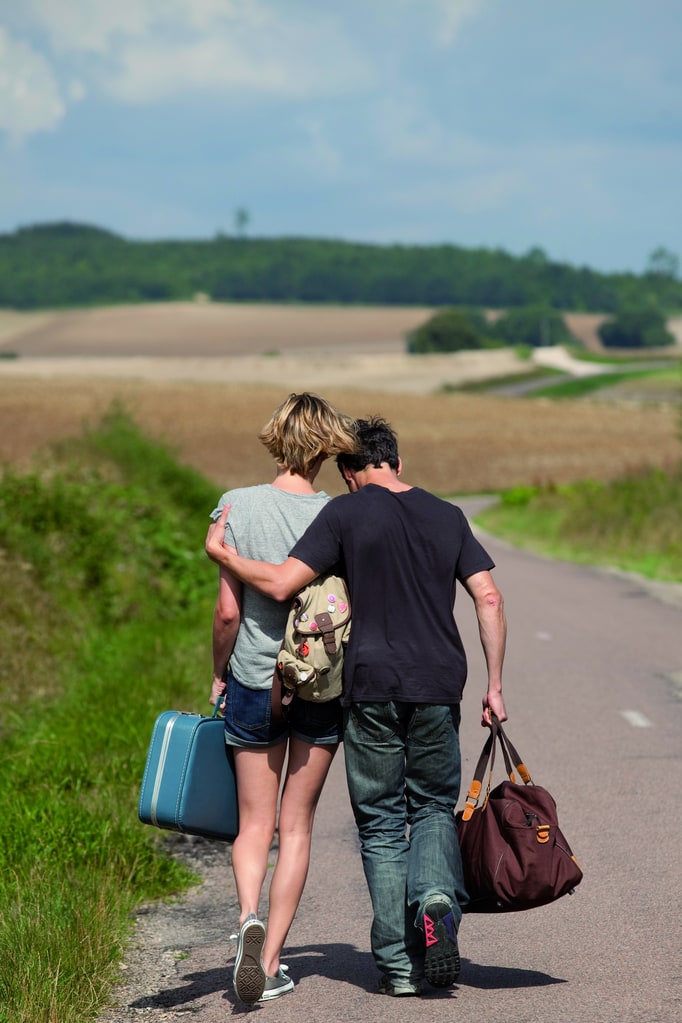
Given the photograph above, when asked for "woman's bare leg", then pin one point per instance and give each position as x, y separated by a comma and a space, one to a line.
259, 773
306, 774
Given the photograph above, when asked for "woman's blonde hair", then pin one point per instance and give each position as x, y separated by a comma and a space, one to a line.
304, 427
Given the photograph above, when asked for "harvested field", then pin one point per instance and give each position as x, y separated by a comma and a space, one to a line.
449, 443
584, 327
196, 329
209, 409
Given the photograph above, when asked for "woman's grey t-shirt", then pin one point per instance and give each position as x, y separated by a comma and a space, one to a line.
264, 524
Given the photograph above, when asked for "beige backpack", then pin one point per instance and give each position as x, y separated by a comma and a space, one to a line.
310, 661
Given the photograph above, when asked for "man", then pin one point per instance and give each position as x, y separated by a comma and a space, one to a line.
402, 550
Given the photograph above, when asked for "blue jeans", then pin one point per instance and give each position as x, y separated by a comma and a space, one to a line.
403, 769
249, 722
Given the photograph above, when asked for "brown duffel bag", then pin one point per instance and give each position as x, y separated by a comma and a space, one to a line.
514, 854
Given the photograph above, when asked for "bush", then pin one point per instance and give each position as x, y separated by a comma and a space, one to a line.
534, 325
636, 327
449, 330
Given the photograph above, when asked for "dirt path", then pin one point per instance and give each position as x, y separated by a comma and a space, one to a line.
179, 962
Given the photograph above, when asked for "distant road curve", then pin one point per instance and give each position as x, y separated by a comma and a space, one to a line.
557, 357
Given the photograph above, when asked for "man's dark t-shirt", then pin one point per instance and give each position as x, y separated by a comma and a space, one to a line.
401, 553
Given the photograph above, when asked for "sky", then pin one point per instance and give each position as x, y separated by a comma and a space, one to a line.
508, 124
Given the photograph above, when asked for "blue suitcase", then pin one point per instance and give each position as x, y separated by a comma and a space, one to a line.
189, 782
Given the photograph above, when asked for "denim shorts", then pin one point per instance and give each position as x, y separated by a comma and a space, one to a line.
249, 722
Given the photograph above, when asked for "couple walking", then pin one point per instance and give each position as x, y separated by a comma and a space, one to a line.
402, 551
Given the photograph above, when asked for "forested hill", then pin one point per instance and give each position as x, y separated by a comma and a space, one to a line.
65, 264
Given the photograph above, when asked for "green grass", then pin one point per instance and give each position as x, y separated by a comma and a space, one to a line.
107, 599
665, 357
508, 380
667, 373
633, 524
581, 386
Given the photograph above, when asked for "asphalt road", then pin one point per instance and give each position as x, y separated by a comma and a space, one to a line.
593, 683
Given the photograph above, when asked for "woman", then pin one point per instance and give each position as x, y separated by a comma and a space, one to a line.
265, 522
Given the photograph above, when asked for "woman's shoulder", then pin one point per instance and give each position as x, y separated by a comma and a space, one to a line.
290, 498
241, 497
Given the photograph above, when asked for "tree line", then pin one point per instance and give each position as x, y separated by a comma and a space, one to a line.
67, 264
634, 325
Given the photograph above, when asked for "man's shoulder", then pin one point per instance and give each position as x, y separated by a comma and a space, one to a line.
425, 497
342, 502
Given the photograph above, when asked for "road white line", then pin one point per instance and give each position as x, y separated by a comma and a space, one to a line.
636, 719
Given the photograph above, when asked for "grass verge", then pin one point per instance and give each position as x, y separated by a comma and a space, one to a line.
631, 524
109, 599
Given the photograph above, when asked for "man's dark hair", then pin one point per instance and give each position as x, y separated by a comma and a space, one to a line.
378, 443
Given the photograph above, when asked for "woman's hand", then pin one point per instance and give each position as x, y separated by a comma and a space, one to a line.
216, 548
218, 690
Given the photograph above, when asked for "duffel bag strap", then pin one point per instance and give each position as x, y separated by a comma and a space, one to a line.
477, 781
510, 753
511, 757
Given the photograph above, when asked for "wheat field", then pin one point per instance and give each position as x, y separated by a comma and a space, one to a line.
208, 399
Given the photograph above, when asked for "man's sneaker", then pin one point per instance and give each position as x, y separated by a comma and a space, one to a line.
441, 959
398, 988
249, 977
276, 986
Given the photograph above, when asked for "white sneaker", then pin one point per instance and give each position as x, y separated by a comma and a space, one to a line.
276, 986
249, 977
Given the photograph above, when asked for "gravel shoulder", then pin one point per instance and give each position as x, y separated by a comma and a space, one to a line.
194, 928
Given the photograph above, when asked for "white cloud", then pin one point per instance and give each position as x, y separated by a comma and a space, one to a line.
93, 26
277, 58
106, 28
30, 99
450, 15
143, 51
149, 72
438, 21
146, 51
76, 90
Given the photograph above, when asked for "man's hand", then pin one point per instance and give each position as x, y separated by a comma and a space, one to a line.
493, 702
280, 582
216, 548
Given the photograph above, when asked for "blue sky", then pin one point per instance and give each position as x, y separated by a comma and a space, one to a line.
492, 123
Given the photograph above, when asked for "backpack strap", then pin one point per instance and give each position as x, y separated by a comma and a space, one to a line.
326, 627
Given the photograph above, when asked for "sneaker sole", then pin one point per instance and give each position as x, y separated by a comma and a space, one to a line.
441, 959
249, 974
